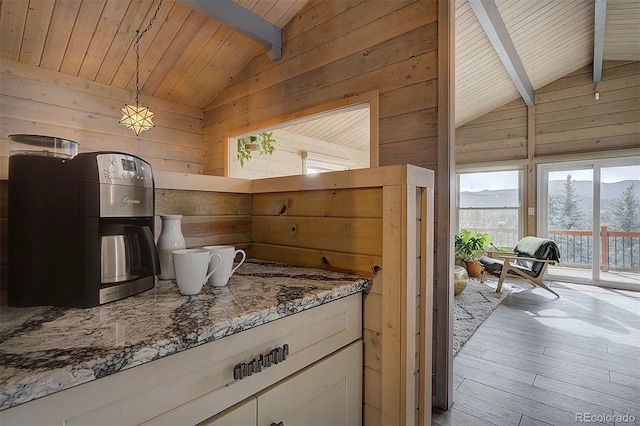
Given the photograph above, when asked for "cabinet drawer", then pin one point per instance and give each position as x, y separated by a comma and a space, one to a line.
191, 386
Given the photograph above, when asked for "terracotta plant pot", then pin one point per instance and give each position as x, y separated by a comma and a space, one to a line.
474, 268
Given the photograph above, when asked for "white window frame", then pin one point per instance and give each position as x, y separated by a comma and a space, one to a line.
521, 209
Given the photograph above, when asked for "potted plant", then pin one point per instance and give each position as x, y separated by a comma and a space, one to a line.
262, 142
469, 247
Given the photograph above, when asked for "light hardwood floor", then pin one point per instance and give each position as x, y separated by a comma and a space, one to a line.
539, 360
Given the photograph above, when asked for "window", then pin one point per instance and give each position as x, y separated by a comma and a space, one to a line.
319, 163
343, 133
491, 202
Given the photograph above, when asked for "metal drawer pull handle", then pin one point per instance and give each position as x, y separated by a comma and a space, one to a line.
275, 356
277, 424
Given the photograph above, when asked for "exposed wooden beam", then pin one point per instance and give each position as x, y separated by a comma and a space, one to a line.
243, 21
531, 179
493, 25
598, 39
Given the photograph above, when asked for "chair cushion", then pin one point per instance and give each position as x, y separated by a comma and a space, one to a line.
522, 267
491, 264
495, 266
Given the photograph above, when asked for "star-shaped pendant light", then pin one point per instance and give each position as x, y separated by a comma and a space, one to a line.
139, 118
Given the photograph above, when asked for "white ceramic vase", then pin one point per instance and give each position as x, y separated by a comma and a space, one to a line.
170, 239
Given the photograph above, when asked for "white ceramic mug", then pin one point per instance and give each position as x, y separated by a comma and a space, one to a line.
191, 267
223, 268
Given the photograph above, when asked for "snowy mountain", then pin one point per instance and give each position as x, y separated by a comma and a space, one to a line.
583, 190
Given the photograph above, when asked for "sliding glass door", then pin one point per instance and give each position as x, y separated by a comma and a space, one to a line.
620, 225
565, 208
592, 211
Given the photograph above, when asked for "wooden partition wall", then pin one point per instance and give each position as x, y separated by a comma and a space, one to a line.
372, 222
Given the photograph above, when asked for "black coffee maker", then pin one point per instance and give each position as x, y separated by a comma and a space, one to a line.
80, 227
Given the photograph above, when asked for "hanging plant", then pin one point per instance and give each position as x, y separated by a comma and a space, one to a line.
263, 143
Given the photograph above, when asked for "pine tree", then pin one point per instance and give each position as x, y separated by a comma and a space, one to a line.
625, 212
571, 214
555, 216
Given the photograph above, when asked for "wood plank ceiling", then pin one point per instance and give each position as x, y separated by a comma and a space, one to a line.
349, 127
552, 38
185, 58
188, 58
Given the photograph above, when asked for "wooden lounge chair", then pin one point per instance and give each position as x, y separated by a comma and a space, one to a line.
529, 261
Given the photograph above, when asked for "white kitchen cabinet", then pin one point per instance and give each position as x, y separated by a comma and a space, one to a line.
244, 413
326, 393
194, 385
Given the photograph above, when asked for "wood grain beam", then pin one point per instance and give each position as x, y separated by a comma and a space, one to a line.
243, 21
598, 39
531, 181
493, 25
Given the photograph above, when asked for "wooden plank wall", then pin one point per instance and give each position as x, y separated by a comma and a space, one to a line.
334, 50
209, 218
331, 229
38, 101
568, 119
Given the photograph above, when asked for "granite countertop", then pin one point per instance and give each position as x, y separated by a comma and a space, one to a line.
45, 349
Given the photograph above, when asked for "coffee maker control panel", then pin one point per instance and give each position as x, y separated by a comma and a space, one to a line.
122, 169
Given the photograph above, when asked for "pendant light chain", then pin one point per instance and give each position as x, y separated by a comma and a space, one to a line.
136, 47
139, 118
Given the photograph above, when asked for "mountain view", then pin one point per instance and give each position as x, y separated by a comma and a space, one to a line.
583, 190
508, 219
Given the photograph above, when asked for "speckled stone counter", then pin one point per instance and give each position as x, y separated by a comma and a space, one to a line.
44, 349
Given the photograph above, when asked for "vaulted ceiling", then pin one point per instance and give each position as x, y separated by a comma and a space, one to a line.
188, 58
552, 39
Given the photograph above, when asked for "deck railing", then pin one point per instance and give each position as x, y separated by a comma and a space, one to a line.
620, 250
